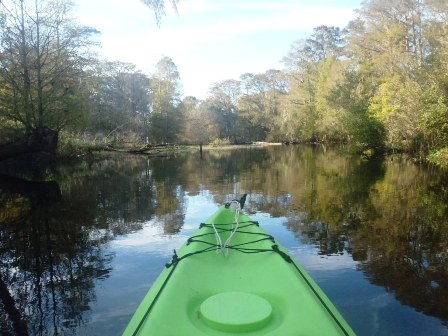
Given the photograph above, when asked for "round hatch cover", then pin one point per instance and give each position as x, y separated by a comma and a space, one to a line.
236, 311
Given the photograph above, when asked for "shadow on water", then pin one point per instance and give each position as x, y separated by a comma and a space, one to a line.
389, 215
47, 262
53, 235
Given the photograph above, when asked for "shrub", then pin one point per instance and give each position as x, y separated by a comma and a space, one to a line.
439, 157
218, 142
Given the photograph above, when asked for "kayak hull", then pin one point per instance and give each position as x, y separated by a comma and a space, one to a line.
251, 287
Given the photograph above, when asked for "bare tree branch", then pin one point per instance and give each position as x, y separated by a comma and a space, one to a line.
158, 6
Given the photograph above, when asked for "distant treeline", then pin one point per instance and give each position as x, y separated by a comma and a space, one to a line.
379, 83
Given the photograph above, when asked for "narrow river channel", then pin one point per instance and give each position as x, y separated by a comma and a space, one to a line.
79, 251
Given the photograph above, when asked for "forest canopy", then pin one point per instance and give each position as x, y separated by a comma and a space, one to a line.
380, 82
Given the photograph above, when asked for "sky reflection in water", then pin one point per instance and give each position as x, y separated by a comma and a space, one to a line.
371, 232
140, 256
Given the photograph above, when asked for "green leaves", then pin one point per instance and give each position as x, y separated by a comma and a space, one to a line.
42, 57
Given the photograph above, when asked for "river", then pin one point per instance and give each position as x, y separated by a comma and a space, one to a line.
79, 251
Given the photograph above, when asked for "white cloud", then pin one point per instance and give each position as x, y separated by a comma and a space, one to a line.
208, 6
209, 38
224, 28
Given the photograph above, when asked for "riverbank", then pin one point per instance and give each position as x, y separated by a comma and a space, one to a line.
74, 150
248, 145
71, 148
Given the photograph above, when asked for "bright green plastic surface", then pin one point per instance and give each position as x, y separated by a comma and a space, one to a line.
235, 311
231, 293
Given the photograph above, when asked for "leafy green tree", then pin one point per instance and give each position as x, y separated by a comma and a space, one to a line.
325, 42
166, 114
308, 77
434, 109
395, 105
259, 103
223, 105
252, 106
389, 35
330, 118
352, 95
387, 42
119, 101
434, 118
43, 53
199, 124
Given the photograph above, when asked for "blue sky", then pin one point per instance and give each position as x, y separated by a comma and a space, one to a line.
209, 40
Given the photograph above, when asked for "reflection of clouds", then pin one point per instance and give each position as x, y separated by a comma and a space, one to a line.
150, 239
376, 304
307, 256
381, 301
200, 207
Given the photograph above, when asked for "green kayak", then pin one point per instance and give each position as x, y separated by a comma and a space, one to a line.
232, 277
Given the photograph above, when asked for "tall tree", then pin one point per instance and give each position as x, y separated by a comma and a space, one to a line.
434, 110
199, 124
119, 100
388, 43
223, 104
331, 119
252, 106
305, 63
42, 56
166, 116
260, 101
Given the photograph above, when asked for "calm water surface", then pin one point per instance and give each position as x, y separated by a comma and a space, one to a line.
373, 233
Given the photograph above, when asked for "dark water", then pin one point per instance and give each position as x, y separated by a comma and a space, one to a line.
79, 251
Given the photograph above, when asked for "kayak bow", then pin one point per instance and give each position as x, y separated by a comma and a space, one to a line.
232, 277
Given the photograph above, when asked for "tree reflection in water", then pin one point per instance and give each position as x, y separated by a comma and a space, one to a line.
48, 264
389, 214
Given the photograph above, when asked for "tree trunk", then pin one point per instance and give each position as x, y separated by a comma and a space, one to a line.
41, 140
15, 316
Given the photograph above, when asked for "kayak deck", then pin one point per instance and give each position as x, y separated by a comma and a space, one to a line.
250, 287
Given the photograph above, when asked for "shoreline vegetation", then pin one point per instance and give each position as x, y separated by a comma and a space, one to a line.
91, 151
76, 147
379, 85
156, 150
